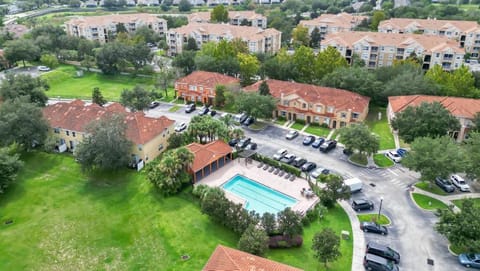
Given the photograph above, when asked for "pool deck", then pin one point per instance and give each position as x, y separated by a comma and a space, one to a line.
251, 171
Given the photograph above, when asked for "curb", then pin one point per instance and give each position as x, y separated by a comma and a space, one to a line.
451, 252
418, 206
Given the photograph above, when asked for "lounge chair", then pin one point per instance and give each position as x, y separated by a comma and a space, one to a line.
265, 167
292, 178
287, 176
260, 165
281, 173
276, 171
271, 169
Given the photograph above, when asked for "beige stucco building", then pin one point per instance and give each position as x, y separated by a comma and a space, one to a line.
235, 18
333, 23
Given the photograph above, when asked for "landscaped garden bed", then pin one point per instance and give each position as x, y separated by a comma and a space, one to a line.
382, 161
430, 187
428, 203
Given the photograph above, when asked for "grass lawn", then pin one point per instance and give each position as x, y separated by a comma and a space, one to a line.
335, 135
317, 130
170, 95
380, 127
174, 108
297, 126
258, 125
432, 188
359, 159
458, 202
280, 121
371, 217
64, 83
66, 220
428, 203
382, 161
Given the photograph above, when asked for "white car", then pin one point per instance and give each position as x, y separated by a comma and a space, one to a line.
182, 126
43, 68
394, 156
280, 154
460, 183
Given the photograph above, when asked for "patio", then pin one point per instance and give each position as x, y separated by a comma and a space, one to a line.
251, 171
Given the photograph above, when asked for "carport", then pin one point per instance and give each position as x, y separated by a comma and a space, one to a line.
208, 158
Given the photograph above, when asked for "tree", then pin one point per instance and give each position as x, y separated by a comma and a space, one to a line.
462, 229
460, 82
255, 105
289, 222
111, 57
185, 61
327, 61
358, 137
205, 129
427, 119
10, 164
165, 76
249, 67
219, 14
136, 99
300, 36
269, 223
326, 246
472, 155
139, 55
97, 97
264, 89
304, 61
254, 240
24, 86
378, 16
333, 191
177, 140
49, 60
191, 45
184, 6
220, 95
315, 38
434, 157
21, 50
476, 122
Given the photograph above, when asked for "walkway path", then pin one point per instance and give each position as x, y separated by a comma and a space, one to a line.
447, 199
357, 235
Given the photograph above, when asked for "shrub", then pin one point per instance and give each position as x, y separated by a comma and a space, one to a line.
200, 190
300, 121
324, 125
283, 241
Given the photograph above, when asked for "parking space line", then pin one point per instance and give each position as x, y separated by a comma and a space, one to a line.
393, 172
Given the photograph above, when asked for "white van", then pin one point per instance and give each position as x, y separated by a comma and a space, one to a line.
355, 184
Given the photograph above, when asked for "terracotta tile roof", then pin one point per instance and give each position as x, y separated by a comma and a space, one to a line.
76, 115
114, 19
226, 30
429, 43
458, 107
229, 259
208, 153
18, 30
203, 17
339, 98
207, 79
341, 20
404, 23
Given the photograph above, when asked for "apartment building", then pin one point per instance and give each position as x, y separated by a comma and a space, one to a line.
104, 28
333, 23
258, 40
466, 33
382, 49
249, 18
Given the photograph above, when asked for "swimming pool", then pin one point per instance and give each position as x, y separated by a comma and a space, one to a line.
258, 197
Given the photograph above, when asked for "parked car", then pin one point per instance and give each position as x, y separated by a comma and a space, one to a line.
212, 113
308, 140
243, 142
298, 162
347, 151
373, 227
288, 158
279, 154
308, 166
319, 171
252, 146
202, 111
328, 145
383, 251
291, 135
377, 263
248, 121
394, 156
190, 108
460, 183
233, 142
43, 68
402, 152
153, 105
362, 204
180, 127
318, 142
239, 118
470, 260
444, 184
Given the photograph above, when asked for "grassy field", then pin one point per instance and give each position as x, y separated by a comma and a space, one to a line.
297, 126
359, 159
432, 188
380, 127
382, 161
371, 217
458, 202
428, 203
280, 121
66, 220
64, 83
317, 130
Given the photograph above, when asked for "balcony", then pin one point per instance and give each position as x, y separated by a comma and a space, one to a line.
427, 58
374, 49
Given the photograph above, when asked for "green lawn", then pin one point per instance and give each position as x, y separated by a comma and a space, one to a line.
458, 202
359, 159
371, 217
64, 83
297, 126
280, 121
382, 161
428, 203
174, 108
66, 220
317, 130
380, 127
430, 187
258, 125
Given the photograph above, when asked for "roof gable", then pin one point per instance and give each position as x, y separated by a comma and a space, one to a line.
206, 154
208, 79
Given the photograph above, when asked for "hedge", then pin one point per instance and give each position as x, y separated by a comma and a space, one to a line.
283, 241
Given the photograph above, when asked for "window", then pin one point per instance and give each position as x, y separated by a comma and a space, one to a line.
285, 103
355, 115
304, 105
67, 133
73, 134
319, 108
330, 109
326, 121
343, 115
283, 113
56, 130
160, 147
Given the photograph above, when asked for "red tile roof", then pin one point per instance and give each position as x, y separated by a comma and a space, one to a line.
76, 115
229, 259
339, 98
458, 107
208, 153
207, 79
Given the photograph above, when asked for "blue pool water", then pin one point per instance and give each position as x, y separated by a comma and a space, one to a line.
258, 197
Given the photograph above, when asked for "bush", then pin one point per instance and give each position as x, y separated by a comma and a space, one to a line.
324, 125
200, 190
300, 121
283, 241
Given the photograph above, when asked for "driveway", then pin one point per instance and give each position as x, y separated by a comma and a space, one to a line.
33, 71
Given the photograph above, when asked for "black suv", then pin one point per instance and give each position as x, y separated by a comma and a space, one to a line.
243, 142
328, 145
383, 251
445, 184
203, 111
376, 263
190, 108
362, 204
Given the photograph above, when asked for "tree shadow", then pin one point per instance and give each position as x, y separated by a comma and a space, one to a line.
108, 186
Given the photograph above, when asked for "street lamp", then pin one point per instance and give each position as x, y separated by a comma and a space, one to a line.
380, 209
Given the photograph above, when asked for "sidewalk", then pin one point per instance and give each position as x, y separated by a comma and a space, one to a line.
357, 235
